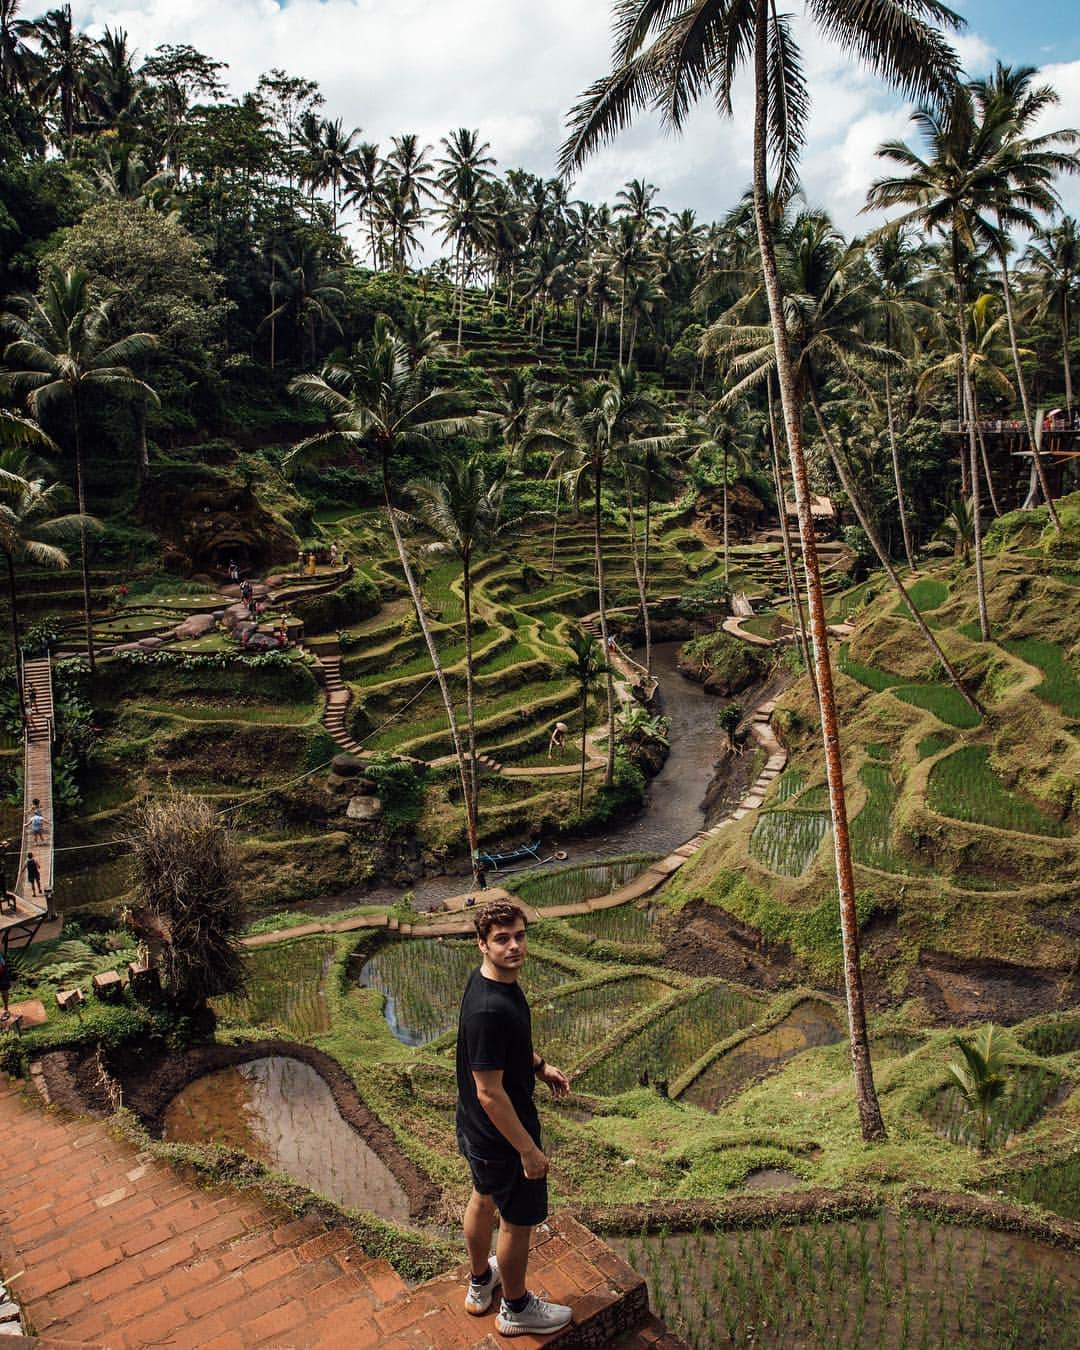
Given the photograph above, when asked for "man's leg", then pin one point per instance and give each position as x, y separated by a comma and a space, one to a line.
479, 1226
513, 1254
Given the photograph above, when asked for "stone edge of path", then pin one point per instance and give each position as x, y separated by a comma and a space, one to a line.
654, 876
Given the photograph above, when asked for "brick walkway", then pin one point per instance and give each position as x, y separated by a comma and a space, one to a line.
104, 1246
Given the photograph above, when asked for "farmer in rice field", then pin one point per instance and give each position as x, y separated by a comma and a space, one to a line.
498, 1127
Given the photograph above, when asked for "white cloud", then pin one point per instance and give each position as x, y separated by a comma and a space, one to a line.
513, 68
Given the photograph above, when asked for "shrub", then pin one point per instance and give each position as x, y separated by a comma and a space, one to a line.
357, 599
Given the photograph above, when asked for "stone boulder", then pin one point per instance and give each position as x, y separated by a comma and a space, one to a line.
364, 808
347, 766
196, 626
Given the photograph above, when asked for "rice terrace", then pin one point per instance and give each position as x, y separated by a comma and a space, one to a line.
627, 528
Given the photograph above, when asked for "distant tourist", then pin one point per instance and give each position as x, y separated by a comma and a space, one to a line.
121, 595
498, 1128
33, 874
5, 984
333, 555
558, 737
234, 571
36, 823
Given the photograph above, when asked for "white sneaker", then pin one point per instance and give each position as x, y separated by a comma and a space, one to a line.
537, 1318
478, 1299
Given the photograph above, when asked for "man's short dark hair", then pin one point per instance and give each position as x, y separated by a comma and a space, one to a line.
497, 914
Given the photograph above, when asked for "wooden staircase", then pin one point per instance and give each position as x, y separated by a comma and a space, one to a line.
22, 920
338, 697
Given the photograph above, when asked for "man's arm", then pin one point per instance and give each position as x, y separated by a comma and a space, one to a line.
556, 1080
500, 1111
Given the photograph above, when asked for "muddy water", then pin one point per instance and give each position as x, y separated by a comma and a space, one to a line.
809, 1024
674, 809
280, 1111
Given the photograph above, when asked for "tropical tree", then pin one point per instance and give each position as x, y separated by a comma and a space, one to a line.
727, 720
366, 188
667, 56
304, 292
379, 405
464, 509
586, 667
60, 65
63, 356
33, 526
955, 190
14, 56
465, 172
1053, 261
981, 1079
1034, 162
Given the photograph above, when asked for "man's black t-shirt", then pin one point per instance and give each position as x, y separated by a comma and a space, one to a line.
494, 1032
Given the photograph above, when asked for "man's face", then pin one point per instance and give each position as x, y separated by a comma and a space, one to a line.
505, 947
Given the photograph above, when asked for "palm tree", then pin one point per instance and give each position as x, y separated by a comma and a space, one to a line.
669, 55
305, 291
953, 191
1053, 258
366, 185
981, 1079
463, 509
958, 525
378, 406
898, 265
718, 432
33, 527
334, 161
1035, 161
464, 177
586, 667
66, 357
14, 56
60, 64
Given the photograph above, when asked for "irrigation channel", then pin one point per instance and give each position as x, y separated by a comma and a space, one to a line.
673, 812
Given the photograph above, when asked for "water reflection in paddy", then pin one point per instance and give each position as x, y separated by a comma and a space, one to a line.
423, 979
281, 1112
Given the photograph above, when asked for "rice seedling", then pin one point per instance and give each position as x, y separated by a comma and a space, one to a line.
1031, 1091
945, 702
568, 1025
671, 1043
423, 981
933, 745
871, 830
810, 1023
571, 885
963, 786
624, 923
1059, 685
1059, 1037
789, 783
786, 841
1053, 1185
877, 750
285, 987
927, 593
802, 1288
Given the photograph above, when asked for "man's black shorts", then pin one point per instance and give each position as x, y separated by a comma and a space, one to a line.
518, 1200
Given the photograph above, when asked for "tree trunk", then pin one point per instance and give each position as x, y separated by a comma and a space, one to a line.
596, 344
871, 1123
584, 728
140, 438
622, 316
436, 664
555, 526
15, 639
871, 533
609, 772
901, 508
797, 620
982, 449
577, 328
1022, 386
461, 296
470, 703
639, 575
973, 450
84, 564
723, 489
1065, 357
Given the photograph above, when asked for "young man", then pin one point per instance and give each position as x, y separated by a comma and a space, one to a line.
498, 1127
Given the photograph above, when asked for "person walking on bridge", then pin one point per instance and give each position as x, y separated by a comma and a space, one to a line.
498, 1127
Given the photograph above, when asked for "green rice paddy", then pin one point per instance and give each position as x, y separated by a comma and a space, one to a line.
786, 841
965, 787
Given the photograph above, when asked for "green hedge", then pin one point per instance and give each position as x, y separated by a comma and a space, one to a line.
357, 599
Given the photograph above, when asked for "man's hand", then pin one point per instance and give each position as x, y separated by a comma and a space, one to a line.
556, 1080
535, 1163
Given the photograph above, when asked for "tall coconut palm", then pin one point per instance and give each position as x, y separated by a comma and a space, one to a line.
378, 406
956, 190
464, 509
63, 357
33, 528
586, 667
14, 57
365, 186
1053, 260
61, 65
1009, 96
305, 292
827, 320
899, 266
667, 56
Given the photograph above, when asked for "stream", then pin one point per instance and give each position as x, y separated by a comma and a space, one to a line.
673, 810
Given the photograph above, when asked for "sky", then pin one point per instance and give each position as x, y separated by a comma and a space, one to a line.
513, 69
